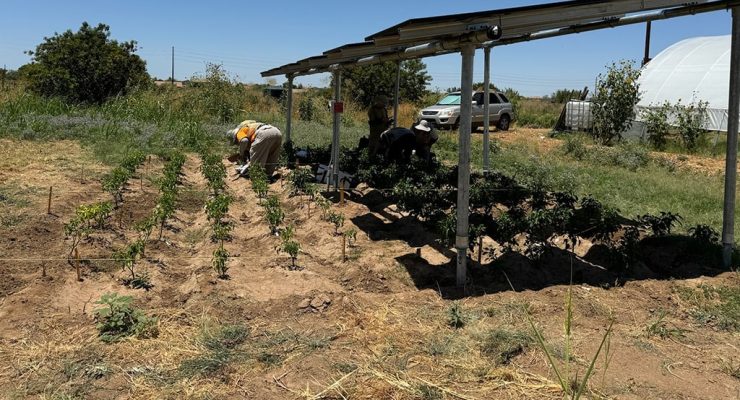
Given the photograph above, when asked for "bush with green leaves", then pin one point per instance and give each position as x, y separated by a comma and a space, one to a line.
214, 171
657, 124
351, 235
704, 234
86, 218
292, 248
337, 219
145, 228
613, 104
306, 108
118, 319
115, 181
690, 121
127, 258
661, 225
220, 262
168, 190
274, 213
86, 66
300, 179
258, 177
456, 317
575, 146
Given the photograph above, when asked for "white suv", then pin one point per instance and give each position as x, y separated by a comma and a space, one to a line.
446, 113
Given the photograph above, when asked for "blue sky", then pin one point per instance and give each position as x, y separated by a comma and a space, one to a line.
252, 36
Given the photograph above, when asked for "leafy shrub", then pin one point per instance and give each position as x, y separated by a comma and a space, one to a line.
273, 213
456, 318
630, 155
306, 108
656, 123
351, 235
127, 257
507, 226
214, 171
613, 104
258, 176
86, 217
300, 179
291, 248
662, 224
575, 146
704, 234
337, 219
220, 262
62, 66
447, 228
690, 120
118, 319
217, 207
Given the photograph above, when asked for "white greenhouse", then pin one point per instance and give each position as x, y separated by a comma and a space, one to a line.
691, 70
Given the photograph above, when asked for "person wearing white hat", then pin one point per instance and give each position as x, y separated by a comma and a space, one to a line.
425, 138
398, 144
259, 144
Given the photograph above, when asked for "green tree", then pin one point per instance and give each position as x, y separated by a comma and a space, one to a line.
364, 83
613, 104
85, 66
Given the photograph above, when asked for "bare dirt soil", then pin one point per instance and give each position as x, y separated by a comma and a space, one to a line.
373, 326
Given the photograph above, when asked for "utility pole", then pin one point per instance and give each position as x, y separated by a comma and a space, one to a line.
172, 77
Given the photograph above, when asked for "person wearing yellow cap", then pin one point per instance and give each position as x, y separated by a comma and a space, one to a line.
259, 144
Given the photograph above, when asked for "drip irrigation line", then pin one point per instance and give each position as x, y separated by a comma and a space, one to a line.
104, 259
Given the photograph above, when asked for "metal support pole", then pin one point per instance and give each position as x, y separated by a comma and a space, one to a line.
395, 96
733, 119
486, 108
289, 110
463, 175
335, 138
646, 59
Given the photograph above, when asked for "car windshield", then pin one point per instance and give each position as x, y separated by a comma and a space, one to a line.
450, 99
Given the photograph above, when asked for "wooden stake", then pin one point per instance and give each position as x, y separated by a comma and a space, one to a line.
48, 207
341, 194
77, 265
344, 248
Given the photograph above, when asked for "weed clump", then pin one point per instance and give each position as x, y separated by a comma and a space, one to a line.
219, 348
118, 319
503, 345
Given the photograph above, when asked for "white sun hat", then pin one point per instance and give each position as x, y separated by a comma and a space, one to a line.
423, 125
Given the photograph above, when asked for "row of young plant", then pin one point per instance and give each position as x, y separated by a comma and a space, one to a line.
163, 211
115, 181
217, 210
274, 215
89, 217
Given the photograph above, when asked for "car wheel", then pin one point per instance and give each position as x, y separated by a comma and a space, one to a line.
503, 123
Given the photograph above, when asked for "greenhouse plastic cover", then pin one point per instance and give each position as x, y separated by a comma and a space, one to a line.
691, 70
